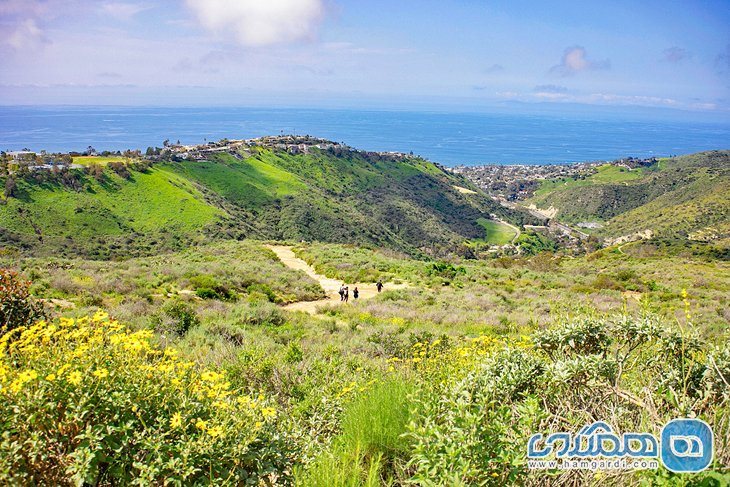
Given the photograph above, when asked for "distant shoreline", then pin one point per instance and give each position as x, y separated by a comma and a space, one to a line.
451, 139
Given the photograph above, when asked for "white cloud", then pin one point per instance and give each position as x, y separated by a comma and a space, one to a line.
121, 10
25, 34
260, 23
575, 59
25, 22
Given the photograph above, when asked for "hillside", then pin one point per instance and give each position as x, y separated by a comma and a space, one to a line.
348, 196
679, 198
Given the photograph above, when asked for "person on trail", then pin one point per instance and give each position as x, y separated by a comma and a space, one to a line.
347, 293
355, 293
379, 285
342, 292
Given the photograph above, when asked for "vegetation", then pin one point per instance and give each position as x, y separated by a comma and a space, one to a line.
497, 233
17, 306
187, 367
680, 199
117, 206
129, 412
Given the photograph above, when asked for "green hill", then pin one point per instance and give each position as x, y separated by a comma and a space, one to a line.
679, 198
403, 203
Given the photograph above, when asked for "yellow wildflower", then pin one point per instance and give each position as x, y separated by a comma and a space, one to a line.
74, 378
51, 377
176, 420
101, 373
268, 413
100, 316
201, 425
215, 431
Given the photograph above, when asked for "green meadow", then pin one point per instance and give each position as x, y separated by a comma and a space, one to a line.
497, 233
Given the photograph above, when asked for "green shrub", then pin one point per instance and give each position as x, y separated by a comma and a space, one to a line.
175, 317
603, 281
583, 337
208, 287
259, 313
468, 432
264, 290
372, 448
445, 270
17, 307
293, 354
88, 402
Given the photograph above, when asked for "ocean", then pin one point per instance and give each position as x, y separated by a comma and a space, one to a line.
448, 138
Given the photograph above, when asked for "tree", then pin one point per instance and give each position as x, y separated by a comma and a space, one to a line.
96, 171
10, 186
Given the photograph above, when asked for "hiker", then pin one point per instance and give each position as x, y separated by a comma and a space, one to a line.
347, 293
355, 293
379, 285
342, 292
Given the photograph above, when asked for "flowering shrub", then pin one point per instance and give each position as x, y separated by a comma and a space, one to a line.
476, 403
17, 308
89, 401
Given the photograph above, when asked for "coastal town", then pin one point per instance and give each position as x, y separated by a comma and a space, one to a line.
519, 182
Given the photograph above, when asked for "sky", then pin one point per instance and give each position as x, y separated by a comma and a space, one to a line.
368, 54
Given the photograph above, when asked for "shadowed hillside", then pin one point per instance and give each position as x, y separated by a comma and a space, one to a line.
679, 198
348, 196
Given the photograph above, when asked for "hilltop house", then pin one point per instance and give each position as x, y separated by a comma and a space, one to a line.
22, 155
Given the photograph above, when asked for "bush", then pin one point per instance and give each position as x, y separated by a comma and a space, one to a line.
468, 433
90, 402
445, 270
17, 307
582, 337
208, 287
260, 313
175, 317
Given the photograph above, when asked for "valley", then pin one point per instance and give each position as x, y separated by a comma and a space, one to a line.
190, 305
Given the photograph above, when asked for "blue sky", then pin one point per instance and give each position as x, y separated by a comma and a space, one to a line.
341, 53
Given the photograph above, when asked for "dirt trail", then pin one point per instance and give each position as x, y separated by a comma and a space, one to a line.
330, 286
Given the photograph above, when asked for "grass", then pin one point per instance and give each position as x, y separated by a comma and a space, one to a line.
101, 160
605, 174
372, 448
154, 200
497, 233
250, 183
345, 197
